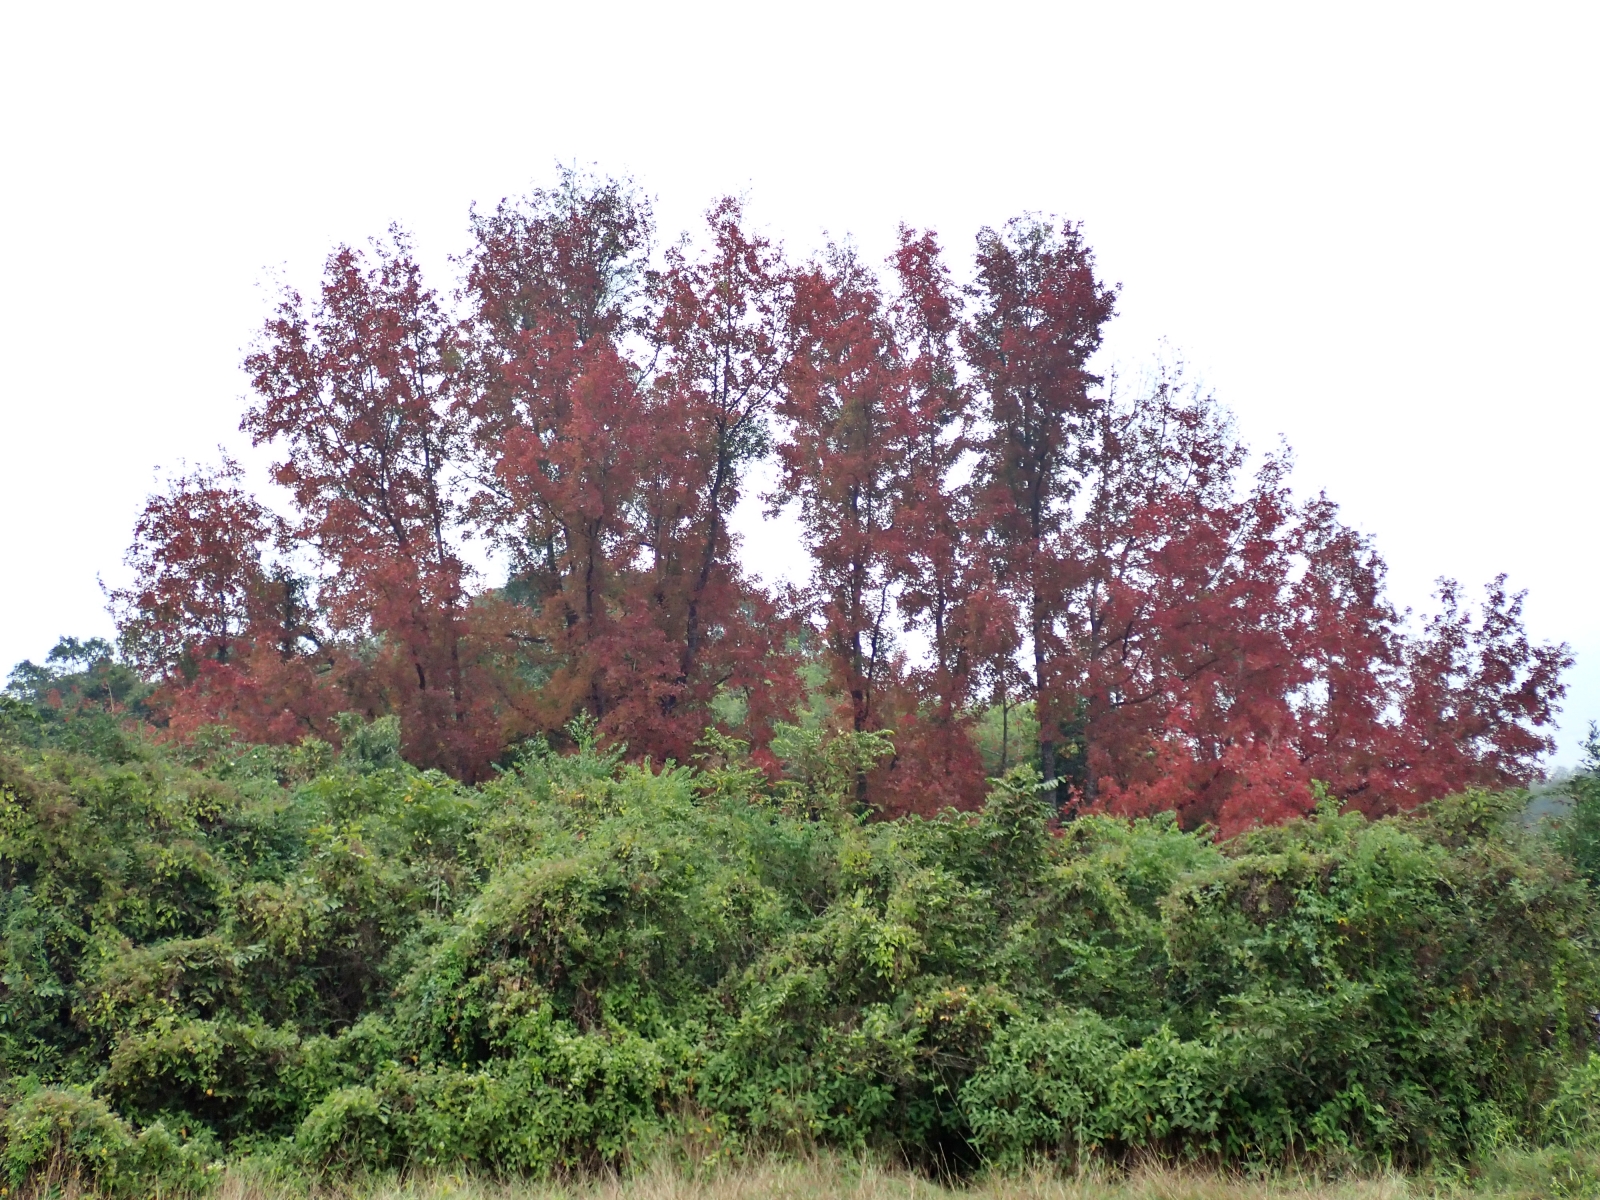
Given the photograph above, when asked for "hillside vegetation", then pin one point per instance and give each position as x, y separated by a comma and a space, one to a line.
1088, 807
1001, 550
220, 952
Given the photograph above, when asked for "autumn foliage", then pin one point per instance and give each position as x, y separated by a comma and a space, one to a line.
992, 521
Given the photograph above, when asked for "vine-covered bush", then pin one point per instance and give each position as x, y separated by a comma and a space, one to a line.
346, 962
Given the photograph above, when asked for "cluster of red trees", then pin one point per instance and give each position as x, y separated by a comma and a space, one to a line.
988, 521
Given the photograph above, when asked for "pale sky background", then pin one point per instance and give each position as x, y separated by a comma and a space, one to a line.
1369, 228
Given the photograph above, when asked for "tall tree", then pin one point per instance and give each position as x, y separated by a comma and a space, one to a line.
719, 339
1039, 318
849, 427
359, 390
1192, 685
1155, 523
946, 596
562, 430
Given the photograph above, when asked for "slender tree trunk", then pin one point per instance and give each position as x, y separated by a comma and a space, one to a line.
1043, 708
691, 647
1005, 713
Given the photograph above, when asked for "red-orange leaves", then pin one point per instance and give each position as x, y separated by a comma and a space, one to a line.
223, 623
359, 392
198, 573
981, 514
561, 432
1040, 312
873, 418
849, 426
718, 339
1478, 697
613, 417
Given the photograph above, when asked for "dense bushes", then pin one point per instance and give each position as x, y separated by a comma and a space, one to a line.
343, 961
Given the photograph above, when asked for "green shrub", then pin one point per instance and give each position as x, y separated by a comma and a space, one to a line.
67, 1132
1572, 1118
1580, 831
351, 964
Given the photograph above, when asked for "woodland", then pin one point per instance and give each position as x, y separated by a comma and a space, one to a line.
1089, 801
1008, 550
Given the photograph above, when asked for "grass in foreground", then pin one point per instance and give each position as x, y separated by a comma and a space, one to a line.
1518, 1176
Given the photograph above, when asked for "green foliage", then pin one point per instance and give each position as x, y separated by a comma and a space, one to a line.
1007, 735
1572, 1117
72, 1133
1580, 832
349, 963
76, 699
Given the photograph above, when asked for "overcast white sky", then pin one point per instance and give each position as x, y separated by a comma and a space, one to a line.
1370, 228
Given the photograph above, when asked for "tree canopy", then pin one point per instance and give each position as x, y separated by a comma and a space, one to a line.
996, 524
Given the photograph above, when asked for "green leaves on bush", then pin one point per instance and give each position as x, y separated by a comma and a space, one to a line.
353, 963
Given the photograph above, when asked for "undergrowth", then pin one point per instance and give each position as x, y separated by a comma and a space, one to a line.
336, 966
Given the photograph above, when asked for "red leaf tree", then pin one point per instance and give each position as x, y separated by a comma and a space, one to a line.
984, 518
220, 620
947, 589
1039, 318
614, 413
1478, 697
1227, 648
719, 349
359, 390
199, 574
561, 430
849, 426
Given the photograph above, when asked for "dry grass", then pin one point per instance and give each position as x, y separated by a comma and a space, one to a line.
830, 1178
1527, 1176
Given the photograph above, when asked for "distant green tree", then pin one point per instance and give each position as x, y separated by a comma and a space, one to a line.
79, 697
1580, 833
